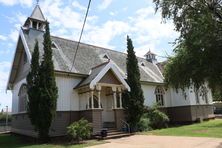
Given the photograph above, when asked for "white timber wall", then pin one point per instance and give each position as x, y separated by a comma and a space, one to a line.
83, 101
68, 98
178, 97
15, 97
149, 95
201, 98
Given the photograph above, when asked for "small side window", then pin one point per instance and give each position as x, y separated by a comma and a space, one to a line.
24, 57
34, 24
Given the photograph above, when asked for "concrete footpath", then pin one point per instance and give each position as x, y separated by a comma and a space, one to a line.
150, 141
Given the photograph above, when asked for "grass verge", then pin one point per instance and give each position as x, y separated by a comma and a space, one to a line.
12, 141
212, 128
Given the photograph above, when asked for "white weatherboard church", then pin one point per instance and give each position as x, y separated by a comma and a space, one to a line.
93, 89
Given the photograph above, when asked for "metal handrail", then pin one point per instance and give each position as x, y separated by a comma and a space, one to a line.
127, 124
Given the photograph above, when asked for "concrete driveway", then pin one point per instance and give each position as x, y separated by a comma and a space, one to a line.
150, 141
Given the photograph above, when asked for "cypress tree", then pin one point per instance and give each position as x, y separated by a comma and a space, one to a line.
133, 100
48, 89
33, 87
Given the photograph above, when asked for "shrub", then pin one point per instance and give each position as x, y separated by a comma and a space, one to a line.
157, 118
79, 130
3, 117
144, 123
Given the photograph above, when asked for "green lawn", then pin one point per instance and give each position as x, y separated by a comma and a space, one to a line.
15, 141
212, 128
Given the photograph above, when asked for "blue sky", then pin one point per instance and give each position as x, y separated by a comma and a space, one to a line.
108, 23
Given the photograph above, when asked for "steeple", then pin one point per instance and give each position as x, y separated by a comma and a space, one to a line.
151, 57
36, 20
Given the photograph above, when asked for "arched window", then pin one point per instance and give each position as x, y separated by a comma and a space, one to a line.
23, 98
95, 101
159, 92
204, 94
197, 95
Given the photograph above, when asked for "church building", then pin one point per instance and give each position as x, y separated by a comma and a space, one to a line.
93, 88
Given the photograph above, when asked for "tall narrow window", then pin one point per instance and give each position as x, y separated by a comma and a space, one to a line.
24, 57
204, 94
117, 100
34, 24
197, 95
159, 92
95, 102
23, 98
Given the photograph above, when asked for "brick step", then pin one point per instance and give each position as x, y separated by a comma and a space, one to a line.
117, 135
113, 133
112, 130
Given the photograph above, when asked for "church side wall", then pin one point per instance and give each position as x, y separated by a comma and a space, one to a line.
24, 67
68, 98
15, 97
149, 95
179, 97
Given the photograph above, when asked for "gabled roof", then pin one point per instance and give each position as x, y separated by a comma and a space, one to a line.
149, 52
37, 14
88, 56
97, 73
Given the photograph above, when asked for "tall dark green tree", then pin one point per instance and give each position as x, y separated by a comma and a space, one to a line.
133, 100
199, 47
49, 91
33, 80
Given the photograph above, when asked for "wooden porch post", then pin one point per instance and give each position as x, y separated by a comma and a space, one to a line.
92, 101
99, 93
120, 100
88, 98
98, 87
114, 96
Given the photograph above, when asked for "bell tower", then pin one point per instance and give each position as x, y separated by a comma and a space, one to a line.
151, 57
36, 20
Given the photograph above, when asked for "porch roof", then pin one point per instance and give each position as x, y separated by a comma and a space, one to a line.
97, 73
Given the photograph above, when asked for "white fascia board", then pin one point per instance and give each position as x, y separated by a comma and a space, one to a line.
28, 53
7, 86
109, 66
99, 76
119, 76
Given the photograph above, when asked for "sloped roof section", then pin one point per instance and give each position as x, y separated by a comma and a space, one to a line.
88, 56
93, 73
98, 72
37, 14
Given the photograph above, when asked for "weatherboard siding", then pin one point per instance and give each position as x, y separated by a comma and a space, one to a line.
15, 97
68, 98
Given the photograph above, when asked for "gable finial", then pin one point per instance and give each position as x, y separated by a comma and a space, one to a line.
37, 2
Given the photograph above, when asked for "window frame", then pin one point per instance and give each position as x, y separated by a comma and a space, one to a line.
22, 98
159, 93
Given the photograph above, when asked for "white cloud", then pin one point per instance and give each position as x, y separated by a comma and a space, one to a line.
27, 3
3, 38
4, 72
14, 35
149, 32
76, 4
5, 51
104, 4
5, 99
17, 21
102, 35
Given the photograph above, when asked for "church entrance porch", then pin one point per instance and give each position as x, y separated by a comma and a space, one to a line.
103, 106
100, 96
